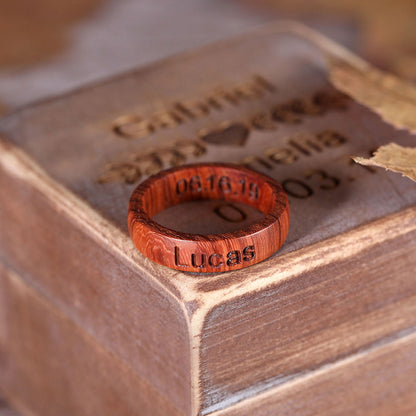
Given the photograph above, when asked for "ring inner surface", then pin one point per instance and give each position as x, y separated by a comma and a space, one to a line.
207, 183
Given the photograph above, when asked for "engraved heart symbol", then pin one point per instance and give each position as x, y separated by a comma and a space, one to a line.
235, 134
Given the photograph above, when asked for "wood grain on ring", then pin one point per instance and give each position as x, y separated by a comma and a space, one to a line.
209, 252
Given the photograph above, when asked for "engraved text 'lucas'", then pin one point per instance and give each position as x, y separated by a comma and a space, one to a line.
203, 260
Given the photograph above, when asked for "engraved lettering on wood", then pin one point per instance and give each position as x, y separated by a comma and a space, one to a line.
134, 126
201, 260
222, 184
237, 134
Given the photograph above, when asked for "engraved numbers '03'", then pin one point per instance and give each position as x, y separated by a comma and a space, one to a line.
222, 184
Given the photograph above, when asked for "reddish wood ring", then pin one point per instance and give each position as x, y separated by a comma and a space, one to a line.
210, 252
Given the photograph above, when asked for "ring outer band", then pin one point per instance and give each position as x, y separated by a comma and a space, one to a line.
208, 253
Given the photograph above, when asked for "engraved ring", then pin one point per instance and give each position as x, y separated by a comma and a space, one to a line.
208, 252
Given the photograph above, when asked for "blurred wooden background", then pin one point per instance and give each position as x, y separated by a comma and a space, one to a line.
51, 46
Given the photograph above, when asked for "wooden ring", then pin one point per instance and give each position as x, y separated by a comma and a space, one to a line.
209, 252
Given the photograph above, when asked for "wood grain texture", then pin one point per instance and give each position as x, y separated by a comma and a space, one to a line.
380, 381
208, 252
115, 304
52, 366
302, 324
342, 283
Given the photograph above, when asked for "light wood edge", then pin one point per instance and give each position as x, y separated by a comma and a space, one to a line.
267, 396
340, 247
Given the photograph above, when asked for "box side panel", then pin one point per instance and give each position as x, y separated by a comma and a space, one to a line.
256, 342
380, 383
128, 314
51, 366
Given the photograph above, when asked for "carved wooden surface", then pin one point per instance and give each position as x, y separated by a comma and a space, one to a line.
341, 286
374, 382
